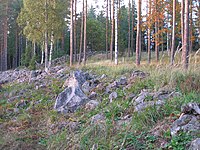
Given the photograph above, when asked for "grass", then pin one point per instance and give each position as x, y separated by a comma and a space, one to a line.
136, 134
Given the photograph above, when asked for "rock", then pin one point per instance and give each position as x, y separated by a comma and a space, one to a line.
191, 108
97, 118
103, 76
86, 87
163, 95
21, 104
12, 99
71, 98
141, 97
130, 96
112, 96
195, 145
16, 110
78, 76
93, 96
186, 123
122, 81
33, 74
139, 74
91, 105
112, 86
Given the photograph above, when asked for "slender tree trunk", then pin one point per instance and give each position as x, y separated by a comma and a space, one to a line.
185, 52
182, 21
34, 48
75, 26
149, 33
191, 27
156, 33
71, 34
116, 33
51, 48
133, 26
138, 39
63, 40
42, 55
85, 33
129, 27
46, 39
5, 49
15, 64
81, 36
112, 32
173, 33
107, 29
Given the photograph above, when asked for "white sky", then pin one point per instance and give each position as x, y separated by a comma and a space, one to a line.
100, 3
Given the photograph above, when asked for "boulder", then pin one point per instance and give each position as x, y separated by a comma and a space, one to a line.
72, 97
97, 118
139, 74
79, 76
195, 145
112, 96
186, 123
93, 95
91, 105
191, 108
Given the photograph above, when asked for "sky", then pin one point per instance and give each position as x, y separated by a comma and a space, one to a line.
99, 3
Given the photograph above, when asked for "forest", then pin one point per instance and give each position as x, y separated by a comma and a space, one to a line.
100, 75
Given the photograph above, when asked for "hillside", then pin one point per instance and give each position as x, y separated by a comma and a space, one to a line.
100, 106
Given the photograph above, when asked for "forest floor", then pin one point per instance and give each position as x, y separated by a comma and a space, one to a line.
28, 120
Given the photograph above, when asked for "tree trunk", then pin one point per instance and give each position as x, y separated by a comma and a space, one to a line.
85, 33
81, 36
42, 55
112, 32
5, 49
46, 39
116, 34
149, 33
63, 40
129, 27
191, 27
185, 53
182, 21
71, 34
138, 39
107, 29
156, 33
173, 33
75, 41
51, 48
133, 26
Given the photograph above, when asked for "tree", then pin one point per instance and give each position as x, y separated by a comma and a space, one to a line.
138, 39
173, 32
112, 31
185, 52
107, 29
81, 35
85, 33
129, 27
4, 52
149, 33
71, 33
116, 33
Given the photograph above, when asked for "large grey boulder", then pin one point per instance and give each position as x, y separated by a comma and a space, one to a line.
195, 145
70, 100
186, 123
189, 122
72, 97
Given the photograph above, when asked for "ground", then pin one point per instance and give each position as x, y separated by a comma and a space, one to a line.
36, 125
